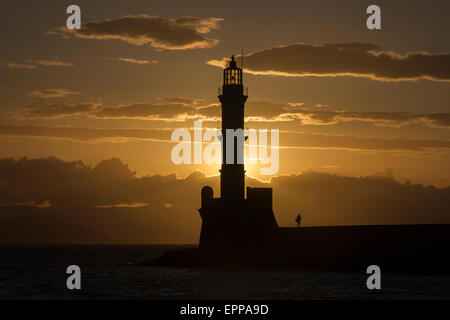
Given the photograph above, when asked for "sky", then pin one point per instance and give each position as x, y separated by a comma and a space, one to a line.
142, 56
348, 101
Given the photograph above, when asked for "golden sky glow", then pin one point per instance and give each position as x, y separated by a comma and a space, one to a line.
347, 100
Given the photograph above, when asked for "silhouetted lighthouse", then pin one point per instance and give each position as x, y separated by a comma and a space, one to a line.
232, 178
234, 222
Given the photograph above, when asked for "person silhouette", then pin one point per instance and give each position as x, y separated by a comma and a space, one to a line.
298, 220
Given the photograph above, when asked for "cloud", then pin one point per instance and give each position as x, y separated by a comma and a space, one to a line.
51, 63
53, 93
137, 61
43, 204
289, 139
34, 64
158, 32
12, 65
171, 109
176, 109
383, 119
169, 112
132, 60
107, 203
183, 109
46, 111
182, 100
347, 59
320, 115
86, 134
122, 205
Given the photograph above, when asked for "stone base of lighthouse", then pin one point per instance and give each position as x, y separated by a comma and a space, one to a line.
235, 226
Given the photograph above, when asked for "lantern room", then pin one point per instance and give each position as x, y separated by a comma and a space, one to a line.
232, 75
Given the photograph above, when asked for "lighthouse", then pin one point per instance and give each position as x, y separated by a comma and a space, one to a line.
241, 218
232, 99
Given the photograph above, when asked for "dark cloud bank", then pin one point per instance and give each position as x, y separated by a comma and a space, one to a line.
49, 200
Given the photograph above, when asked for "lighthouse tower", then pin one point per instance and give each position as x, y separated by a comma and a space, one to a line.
234, 222
232, 174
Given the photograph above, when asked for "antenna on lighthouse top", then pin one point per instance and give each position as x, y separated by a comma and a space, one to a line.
242, 57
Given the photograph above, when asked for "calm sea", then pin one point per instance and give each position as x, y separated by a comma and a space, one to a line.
110, 272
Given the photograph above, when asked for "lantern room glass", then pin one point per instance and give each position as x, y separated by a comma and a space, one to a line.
232, 76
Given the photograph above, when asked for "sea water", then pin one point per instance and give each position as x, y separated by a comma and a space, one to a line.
111, 272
